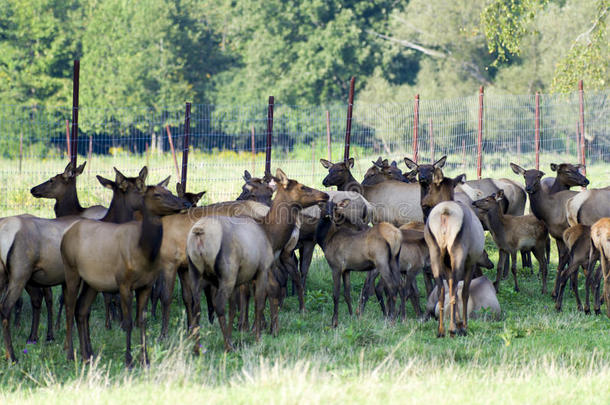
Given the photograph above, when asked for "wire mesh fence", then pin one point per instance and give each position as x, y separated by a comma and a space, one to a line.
226, 140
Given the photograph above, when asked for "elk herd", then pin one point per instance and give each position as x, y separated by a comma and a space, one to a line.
392, 225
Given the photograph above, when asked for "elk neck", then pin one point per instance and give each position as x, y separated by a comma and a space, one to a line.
558, 186
119, 211
68, 204
151, 234
495, 219
349, 183
281, 219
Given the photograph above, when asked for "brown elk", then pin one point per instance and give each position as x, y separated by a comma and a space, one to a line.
30, 249
564, 179
550, 208
578, 242
228, 251
348, 247
455, 238
395, 201
192, 198
512, 234
600, 241
116, 257
256, 189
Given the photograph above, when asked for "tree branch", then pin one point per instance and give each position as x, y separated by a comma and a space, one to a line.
412, 45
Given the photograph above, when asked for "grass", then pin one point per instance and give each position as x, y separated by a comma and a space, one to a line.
531, 355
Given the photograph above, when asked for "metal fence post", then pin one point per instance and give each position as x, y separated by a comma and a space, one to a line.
581, 102
348, 126
415, 127
480, 134
269, 136
537, 130
75, 84
185, 151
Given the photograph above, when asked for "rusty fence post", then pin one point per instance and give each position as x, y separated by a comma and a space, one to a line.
348, 125
480, 134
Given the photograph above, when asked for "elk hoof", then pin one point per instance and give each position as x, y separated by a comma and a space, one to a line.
579, 307
462, 332
587, 311
598, 312
451, 333
516, 289
440, 334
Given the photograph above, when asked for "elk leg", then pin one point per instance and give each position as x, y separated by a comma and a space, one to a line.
13, 292
209, 291
499, 271
107, 304
452, 306
513, 259
36, 300
563, 259
127, 323
220, 303
142, 296
347, 289
465, 297
244, 307
83, 310
336, 292
574, 285
365, 293
260, 295
155, 295
17, 312
305, 256
606, 275
194, 305
428, 280
597, 282
414, 296
188, 279
539, 253
588, 287
169, 282
48, 301
70, 293
60, 305
440, 286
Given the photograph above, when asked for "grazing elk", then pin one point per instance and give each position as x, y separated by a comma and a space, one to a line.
116, 257
30, 248
353, 247
228, 251
578, 242
600, 241
550, 208
394, 201
512, 234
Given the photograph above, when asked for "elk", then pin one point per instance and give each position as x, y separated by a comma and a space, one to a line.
512, 234
348, 247
228, 251
588, 206
62, 188
578, 242
482, 297
394, 201
600, 241
382, 170
455, 238
30, 248
192, 198
116, 257
256, 189
564, 179
550, 208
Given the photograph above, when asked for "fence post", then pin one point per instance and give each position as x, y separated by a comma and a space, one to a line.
75, 83
171, 146
329, 152
348, 126
185, 151
480, 134
90, 153
578, 141
581, 101
269, 136
537, 130
415, 127
430, 129
68, 140
252, 145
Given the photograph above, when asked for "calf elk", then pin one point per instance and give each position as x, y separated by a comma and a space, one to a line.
600, 240
512, 234
482, 297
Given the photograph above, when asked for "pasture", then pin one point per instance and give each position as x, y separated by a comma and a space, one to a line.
532, 354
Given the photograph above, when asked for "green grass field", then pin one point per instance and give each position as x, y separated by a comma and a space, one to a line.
531, 355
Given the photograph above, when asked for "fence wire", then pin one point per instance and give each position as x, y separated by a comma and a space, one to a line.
226, 140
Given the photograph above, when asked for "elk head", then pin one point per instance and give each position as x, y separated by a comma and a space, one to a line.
256, 189
338, 173
192, 198
294, 193
425, 172
569, 174
60, 185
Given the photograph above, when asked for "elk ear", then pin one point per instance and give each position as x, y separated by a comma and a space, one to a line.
385, 162
121, 180
197, 197
143, 173
411, 164
437, 176
499, 195
517, 169
554, 167
327, 164
165, 182
179, 190
281, 177
378, 161
461, 179
394, 164
119, 176
247, 175
106, 183
441, 162
68, 171
79, 170
350, 163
